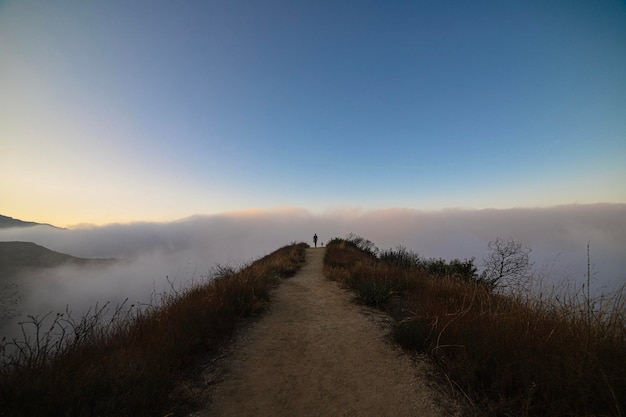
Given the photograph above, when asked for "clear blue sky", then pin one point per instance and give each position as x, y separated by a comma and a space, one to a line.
155, 110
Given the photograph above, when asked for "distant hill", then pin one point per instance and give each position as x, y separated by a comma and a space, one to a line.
6, 221
18, 256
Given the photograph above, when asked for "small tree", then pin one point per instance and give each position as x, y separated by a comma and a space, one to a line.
363, 244
507, 264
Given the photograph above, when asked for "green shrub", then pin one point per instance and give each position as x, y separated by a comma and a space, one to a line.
401, 257
375, 293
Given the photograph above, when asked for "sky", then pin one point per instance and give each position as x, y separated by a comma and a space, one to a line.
117, 111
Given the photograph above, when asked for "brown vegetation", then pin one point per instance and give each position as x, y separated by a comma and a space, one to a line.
126, 365
510, 354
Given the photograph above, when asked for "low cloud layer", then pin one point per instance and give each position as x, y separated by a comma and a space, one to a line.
185, 250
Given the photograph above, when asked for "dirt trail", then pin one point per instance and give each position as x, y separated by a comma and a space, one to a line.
317, 353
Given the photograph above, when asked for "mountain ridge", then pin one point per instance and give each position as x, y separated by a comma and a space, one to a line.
7, 222
19, 256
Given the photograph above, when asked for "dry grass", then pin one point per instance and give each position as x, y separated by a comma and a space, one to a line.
516, 355
126, 365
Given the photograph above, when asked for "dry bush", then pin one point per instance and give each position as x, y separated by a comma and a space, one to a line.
527, 358
125, 366
522, 354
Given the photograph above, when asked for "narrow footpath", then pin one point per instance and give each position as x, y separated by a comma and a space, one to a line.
317, 353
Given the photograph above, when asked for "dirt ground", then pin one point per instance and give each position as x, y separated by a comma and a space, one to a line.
317, 353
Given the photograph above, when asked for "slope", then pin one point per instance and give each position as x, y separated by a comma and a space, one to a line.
316, 353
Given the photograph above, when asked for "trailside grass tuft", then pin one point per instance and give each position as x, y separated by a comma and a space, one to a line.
516, 354
127, 365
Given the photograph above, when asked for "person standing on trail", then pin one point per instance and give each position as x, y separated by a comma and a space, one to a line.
315, 239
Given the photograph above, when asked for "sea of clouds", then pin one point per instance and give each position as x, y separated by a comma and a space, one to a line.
158, 256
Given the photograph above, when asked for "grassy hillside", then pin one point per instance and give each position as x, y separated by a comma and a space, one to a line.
18, 256
511, 355
124, 361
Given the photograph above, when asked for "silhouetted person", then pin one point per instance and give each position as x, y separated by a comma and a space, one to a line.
315, 239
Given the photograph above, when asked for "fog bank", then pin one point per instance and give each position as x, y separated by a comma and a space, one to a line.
185, 250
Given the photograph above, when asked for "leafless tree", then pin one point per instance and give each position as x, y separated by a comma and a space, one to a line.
507, 264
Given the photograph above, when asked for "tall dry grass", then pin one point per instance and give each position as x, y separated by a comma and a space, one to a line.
126, 364
516, 354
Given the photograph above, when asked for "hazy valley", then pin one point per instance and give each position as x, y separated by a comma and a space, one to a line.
151, 254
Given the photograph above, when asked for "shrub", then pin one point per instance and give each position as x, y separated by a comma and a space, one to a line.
413, 333
375, 293
401, 257
125, 366
513, 354
362, 244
